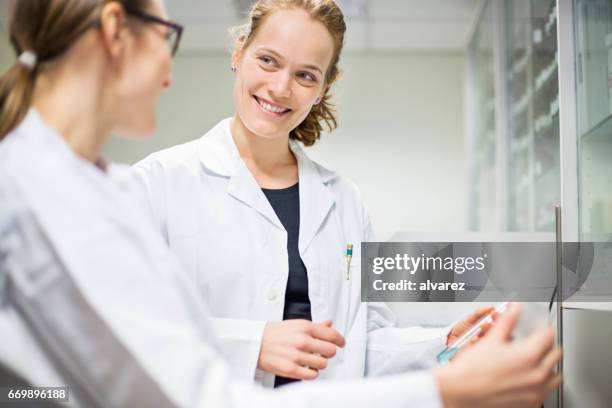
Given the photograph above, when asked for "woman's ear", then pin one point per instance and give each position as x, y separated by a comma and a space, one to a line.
322, 94
112, 22
236, 55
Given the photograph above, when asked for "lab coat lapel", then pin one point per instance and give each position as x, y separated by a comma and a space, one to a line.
218, 153
243, 186
316, 199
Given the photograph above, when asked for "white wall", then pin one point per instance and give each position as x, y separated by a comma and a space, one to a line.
201, 95
400, 139
400, 135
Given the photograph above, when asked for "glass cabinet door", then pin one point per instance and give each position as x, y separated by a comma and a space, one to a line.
593, 47
532, 85
482, 167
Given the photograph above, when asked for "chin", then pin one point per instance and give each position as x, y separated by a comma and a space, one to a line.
266, 130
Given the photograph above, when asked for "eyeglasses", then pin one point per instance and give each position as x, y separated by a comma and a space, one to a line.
175, 30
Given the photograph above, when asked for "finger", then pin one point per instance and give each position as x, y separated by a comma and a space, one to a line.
322, 347
484, 329
502, 331
541, 342
298, 372
472, 342
312, 360
480, 313
472, 319
552, 359
484, 310
328, 334
327, 323
553, 383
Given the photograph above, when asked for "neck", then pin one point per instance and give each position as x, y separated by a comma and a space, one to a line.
74, 114
266, 154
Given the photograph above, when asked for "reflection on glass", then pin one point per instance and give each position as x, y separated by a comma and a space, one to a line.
482, 209
533, 117
593, 34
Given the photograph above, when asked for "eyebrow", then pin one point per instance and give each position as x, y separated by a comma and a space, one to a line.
277, 55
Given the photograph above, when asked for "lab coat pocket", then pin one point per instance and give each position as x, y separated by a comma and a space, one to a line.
346, 296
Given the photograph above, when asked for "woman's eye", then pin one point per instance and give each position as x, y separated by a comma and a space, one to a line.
266, 60
308, 76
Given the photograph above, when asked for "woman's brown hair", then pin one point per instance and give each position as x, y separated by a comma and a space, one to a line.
46, 28
329, 14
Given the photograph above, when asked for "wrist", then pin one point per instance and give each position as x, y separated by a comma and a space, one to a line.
262, 342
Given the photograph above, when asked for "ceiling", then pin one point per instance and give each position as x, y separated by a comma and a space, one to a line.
373, 25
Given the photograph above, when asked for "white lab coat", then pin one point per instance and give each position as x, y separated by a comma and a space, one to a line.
215, 217
91, 297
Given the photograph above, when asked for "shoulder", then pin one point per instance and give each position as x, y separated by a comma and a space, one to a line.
349, 205
345, 187
341, 186
346, 192
12, 150
12, 208
171, 158
187, 156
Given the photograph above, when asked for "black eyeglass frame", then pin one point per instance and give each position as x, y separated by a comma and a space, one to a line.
176, 27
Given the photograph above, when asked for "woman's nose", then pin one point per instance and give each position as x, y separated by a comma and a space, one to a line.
282, 85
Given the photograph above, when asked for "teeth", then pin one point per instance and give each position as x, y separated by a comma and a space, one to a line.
270, 108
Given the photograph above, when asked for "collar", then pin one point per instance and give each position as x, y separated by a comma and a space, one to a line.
219, 154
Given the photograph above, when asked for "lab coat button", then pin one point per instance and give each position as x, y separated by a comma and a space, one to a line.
273, 295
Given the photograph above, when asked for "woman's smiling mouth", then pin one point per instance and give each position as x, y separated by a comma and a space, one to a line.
270, 107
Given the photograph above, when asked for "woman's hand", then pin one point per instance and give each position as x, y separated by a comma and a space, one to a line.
298, 348
499, 372
467, 323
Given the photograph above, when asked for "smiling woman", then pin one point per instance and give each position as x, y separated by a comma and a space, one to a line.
316, 67
263, 230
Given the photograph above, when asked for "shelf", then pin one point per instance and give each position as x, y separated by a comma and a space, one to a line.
600, 132
542, 122
521, 143
521, 104
554, 106
602, 306
519, 65
552, 22
546, 75
597, 237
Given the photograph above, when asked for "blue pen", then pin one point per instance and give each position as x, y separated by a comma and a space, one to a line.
349, 257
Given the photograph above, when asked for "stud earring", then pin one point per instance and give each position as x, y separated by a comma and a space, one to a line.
233, 68
318, 100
